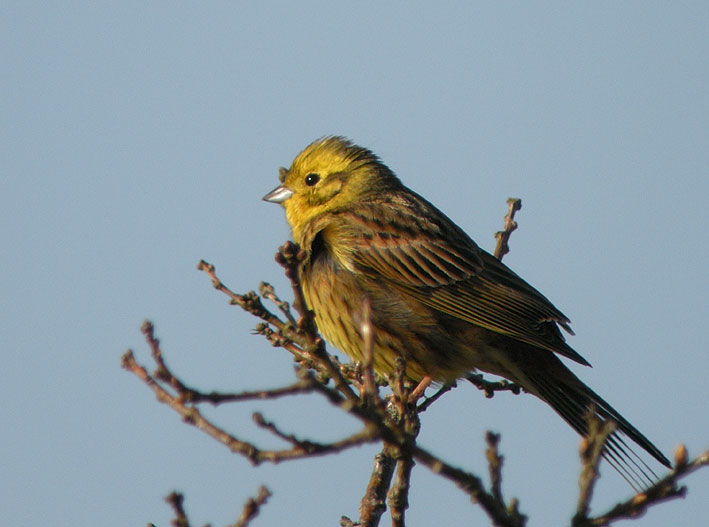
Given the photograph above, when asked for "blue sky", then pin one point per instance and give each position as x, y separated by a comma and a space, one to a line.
137, 139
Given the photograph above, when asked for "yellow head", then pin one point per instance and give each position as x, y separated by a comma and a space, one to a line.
329, 174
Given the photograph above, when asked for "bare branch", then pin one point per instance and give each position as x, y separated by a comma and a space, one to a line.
494, 461
309, 448
398, 496
191, 414
592, 447
665, 489
503, 236
500, 515
252, 507
502, 248
490, 387
373, 503
267, 291
428, 401
176, 501
290, 256
249, 302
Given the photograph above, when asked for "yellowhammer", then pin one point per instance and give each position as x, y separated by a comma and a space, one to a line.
436, 298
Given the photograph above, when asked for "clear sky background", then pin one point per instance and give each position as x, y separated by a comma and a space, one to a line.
137, 138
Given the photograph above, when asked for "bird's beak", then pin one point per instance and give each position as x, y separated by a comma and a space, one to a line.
278, 194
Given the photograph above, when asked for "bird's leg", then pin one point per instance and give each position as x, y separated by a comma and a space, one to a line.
420, 388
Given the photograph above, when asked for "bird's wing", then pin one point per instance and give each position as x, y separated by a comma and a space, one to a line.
422, 253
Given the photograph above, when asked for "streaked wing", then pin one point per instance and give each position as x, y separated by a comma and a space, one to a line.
422, 253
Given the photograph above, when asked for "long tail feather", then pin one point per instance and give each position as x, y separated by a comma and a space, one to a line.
572, 399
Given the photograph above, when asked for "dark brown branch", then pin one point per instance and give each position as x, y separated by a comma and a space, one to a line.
490, 387
366, 435
217, 398
500, 515
176, 501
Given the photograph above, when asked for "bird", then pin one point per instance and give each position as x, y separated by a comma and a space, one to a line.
435, 297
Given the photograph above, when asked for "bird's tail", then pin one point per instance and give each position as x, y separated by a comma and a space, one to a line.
573, 401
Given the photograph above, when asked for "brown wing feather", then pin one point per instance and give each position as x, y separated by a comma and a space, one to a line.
422, 253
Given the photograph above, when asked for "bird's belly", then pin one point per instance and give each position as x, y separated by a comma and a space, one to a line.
434, 344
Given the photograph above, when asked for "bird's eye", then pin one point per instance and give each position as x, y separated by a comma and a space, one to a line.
311, 179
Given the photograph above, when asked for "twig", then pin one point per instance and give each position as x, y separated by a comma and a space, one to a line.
398, 496
252, 507
176, 500
428, 401
494, 461
187, 394
471, 484
665, 489
592, 447
490, 387
366, 435
373, 503
249, 302
290, 256
193, 416
503, 236
501, 249
311, 347
267, 291
217, 398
